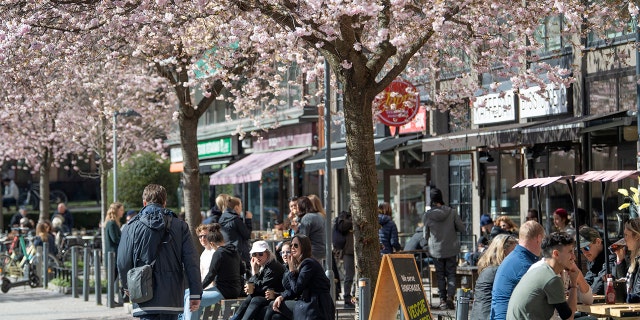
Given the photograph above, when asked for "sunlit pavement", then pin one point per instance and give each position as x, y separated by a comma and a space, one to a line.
27, 303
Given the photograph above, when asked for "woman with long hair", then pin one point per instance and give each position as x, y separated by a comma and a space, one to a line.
43, 234
317, 205
308, 284
632, 238
112, 227
311, 224
226, 270
388, 232
488, 264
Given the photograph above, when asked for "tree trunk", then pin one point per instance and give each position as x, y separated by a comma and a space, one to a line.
45, 169
191, 174
362, 173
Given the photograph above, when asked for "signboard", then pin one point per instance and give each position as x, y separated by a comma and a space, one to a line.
552, 101
494, 108
397, 104
399, 271
212, 148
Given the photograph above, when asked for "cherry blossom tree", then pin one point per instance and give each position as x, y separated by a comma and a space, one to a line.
368, 44
203, 50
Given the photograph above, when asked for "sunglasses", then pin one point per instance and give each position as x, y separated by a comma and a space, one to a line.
284, 253
202, 236
257, 254
587, 248
295, 245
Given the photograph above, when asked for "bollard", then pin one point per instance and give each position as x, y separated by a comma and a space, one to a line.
111, 259
45, 265
364, 300
85, 273
96, 269
74, 271
462, 304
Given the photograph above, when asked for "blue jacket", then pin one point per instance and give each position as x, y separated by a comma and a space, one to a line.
236, 232
388, 234
140, 244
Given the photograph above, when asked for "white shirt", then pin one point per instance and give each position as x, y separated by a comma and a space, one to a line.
11, 191
205, 263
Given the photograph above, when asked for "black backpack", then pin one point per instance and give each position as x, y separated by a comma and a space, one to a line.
339, 237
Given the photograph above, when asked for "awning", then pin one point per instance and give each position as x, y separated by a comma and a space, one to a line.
508, 134
251, 167
606, 175
537, 182
213, 165
565, 129
339, 153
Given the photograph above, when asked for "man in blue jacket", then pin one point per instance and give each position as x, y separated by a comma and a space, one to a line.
156, 234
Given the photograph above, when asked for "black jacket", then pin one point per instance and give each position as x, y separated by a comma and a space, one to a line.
270, 277
226, 269
388, 234
143, 240
236, 232
311, 286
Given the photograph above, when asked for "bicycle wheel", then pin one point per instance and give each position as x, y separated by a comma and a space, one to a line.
52, 265
10, 267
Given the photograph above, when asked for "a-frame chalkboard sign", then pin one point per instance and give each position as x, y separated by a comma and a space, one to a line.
399, 272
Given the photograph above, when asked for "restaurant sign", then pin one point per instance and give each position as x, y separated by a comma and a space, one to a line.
397, 104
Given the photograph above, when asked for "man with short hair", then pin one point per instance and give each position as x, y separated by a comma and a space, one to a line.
67, 226
15, 219
156, 234
540, 292
514, 266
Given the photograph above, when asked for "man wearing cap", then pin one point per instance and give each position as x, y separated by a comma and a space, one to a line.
592, 248
442, 224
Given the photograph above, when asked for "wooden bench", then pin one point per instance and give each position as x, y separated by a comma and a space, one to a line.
222, 310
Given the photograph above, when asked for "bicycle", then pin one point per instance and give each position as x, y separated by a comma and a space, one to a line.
31, 196
21, 261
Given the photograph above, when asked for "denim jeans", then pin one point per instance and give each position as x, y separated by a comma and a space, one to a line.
210, 297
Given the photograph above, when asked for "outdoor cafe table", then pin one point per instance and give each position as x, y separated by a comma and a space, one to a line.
626, 311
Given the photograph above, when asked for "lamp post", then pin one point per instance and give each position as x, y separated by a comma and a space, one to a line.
129, 113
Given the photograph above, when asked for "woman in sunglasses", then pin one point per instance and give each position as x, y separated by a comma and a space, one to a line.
285, 311
225, 271
308, 284
267, 274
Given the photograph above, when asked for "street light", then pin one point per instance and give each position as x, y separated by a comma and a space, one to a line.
129, 113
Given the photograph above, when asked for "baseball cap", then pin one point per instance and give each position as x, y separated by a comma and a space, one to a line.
259, 246
485, 219
588, 235
131, 213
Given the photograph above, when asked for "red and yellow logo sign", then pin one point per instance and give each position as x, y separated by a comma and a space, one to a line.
397, 104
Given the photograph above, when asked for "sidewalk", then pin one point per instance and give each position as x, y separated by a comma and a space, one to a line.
25, 303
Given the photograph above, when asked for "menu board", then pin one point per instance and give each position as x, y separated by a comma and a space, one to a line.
399, 271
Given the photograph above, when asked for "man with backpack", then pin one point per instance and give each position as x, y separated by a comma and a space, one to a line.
343, 246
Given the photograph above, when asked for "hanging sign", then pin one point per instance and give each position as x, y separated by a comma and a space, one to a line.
397, 104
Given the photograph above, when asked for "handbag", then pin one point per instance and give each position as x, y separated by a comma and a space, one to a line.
140, 279
140, 282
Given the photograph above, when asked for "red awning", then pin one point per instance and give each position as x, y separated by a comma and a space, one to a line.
250, 168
